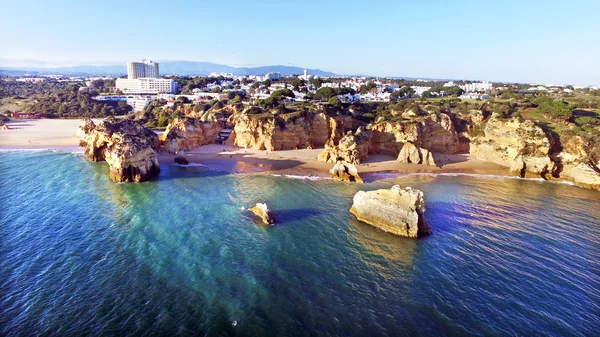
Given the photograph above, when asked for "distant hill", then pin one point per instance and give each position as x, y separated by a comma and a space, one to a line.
166, 68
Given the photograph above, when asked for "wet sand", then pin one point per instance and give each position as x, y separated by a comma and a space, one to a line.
60, 134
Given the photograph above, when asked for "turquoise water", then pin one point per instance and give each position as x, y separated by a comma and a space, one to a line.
80, 255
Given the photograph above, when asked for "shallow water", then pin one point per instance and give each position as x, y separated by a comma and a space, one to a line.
80, 255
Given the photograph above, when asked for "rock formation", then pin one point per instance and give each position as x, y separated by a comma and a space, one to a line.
288, 131
262, 211
180, 158
520, 145
412, 154
436, 132
344, 171
576, 164
396, 210
188, 133
352, 148
126, 145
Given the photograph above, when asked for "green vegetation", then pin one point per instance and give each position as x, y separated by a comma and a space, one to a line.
557, 109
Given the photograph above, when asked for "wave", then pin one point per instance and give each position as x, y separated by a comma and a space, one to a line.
53, 150
460, 174
292, 176
190, 165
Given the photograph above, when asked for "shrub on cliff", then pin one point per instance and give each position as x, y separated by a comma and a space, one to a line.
556, 109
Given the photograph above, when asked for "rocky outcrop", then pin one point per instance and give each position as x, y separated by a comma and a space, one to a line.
412, 154
126, 145
288, 131
352, 148
520, 145
188, 133
435, 132
262, 211
400, 211
346, 172
576, 164
180, 158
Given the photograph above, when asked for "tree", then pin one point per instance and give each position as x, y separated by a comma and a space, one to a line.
317, 82
454, 91
267, 83
325, 93
334, 101
297, 83
555, 108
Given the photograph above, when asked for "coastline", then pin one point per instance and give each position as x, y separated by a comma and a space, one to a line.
60, 135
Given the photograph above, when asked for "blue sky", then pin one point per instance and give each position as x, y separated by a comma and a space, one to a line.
524, 41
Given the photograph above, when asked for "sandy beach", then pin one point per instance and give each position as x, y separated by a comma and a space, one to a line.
60, 134
41, 134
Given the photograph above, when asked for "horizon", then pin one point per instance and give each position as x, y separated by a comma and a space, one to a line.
481, 42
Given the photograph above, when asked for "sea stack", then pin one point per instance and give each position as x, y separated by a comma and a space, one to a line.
263, 212
126, 145
396, 210
344, 171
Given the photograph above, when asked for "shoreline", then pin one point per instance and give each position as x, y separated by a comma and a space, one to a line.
59, 135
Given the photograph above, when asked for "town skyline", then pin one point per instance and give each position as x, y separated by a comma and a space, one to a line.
505, 42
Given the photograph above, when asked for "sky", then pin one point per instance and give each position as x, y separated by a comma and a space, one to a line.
547, 42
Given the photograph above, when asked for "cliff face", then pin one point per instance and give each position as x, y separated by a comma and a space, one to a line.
267, 132
352, 148
575, 164
188, 133
127, 147
520, 145
434, 133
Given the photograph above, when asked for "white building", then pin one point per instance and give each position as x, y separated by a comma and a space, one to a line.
138, 103
419, 90
146, 85
273, 76
472, 87
143, 69
31, 79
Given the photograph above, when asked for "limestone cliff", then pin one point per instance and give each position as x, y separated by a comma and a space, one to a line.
352, 148
287, 131
576, 165
188, 133
435, 132
415, 155
126, 145
518, 144
399, 211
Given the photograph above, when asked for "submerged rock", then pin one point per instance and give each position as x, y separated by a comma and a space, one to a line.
180, 158
126, 145
345, 172
396, 210
263, 212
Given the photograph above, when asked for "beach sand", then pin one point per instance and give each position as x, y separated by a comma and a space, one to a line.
41, 134
60, 134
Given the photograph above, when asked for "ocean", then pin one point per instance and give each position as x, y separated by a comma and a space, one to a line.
181, 255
